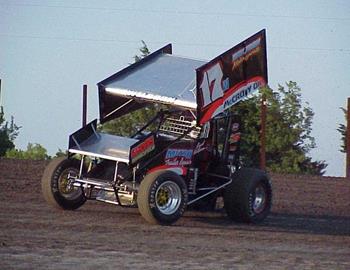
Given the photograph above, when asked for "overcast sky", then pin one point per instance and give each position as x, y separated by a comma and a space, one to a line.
48, 49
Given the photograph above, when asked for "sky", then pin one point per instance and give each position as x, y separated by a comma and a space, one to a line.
49, 49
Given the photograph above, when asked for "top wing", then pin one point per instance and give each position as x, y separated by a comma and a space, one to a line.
158, 78
231, 77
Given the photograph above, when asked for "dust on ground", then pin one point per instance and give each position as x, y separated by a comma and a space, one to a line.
309, 228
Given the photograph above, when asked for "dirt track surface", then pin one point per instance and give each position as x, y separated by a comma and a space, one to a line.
309, 228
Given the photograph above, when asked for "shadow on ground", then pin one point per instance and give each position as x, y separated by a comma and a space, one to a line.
281, 222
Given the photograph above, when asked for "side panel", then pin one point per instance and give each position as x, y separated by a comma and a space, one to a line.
82, 134
231, 77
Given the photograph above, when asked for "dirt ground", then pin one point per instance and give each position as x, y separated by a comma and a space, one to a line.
309, 228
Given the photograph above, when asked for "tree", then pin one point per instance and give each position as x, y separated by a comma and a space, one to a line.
130, 123
8, 133
34, 151
144, 52
288, 131
61, 153
342, 129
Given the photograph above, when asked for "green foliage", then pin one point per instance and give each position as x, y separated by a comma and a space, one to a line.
130, 123
288, 131
144, 52
8, 133
34, 151
61, 153
342, 130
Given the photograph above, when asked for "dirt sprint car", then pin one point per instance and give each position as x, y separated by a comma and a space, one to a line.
186, 155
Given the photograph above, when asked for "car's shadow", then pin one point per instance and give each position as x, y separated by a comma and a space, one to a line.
281, 222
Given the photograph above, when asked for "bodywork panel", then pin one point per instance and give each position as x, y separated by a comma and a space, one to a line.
87, 141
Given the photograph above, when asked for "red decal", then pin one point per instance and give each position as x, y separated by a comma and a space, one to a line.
176, 169
142, 149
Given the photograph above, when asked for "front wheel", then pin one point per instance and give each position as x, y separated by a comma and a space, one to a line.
162, 197
56, 184
249, 197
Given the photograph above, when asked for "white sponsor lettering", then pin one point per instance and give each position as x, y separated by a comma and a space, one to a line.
240, 94
199, 147
178, 157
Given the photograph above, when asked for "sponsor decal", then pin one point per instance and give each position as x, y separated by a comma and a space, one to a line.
178, 156
245, 53
241, 93
232, 96
142, 149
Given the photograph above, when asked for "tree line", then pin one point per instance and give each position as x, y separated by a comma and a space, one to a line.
9, 132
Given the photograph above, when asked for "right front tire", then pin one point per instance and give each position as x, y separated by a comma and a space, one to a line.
162, 197
56, 185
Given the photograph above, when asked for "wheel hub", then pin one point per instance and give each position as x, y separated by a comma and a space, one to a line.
259, 199
168, 197
65, 186
163, 197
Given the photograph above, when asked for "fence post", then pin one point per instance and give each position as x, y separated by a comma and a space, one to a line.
347, 144
263, 133
84, 110
0, 95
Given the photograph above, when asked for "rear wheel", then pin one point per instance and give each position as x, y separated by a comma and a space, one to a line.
57, 186
249, 197
162, 197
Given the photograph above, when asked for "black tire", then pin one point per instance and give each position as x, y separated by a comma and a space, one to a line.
54, 184
249, 197
162, 197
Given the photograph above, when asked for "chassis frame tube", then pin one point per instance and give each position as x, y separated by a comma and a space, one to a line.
214, 188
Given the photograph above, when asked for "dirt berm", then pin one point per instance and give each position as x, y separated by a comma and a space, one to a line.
309, 228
